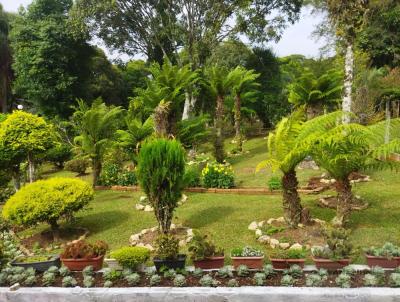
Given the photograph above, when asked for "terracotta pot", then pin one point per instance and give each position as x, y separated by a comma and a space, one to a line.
286, 263
250, 262
80, 264
382, 261
210, 263
331, 265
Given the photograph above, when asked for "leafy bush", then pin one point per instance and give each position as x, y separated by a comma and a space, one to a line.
259, 279
81, 249
274, 183
47, 201
113, 175
388, 250
132, 279
338, 245
295, 271
370, 280
225, 272
111, 274
88, 281
64, 271
268, 270
208, 281
343, 280
247, 251
30, 280
289, 254
88, 271
216, 175
192, 177
59, 154
349, 270
48, 279
233, 283
242, 270
179, 280
314, 280
69, 281
287, 280
167, 247
201, 247
132, 256
77, 165
160, 172
155, 280
169, 274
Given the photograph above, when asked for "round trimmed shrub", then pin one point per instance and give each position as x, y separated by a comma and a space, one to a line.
47, 201
131, 256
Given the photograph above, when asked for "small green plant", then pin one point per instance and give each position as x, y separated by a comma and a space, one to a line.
216, 175
225, 272
338, 245
208, 281
131, 257
242, 271
108, 284
343, 280
259, 279
274, 183
126, 272
81, 249
169, 274
192, 177
247, 251
287, 280
289, 254
53, 270
88, 281
349, 270
269, 270
3, 279
48, 279
88, 271
323, 273
16, 278
270, 230
30, 280
180, 280
295, 271
378, 272
233, 283
167, 247
388, 250
370, 280
30, 271
201, 247
314, 280
149, 272
394, 280
64, 271
111, 274
132, 279
397, 270
198, 273
69, 281
155, 280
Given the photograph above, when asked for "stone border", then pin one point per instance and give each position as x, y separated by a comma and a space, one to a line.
198, 294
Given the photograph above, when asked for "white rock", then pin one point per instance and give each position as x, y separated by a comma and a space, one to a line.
189, 239
189, 232
253, 226
173, 226
273, 243
264, 239
258, 233
184, 198
300, 225
150, 247
139, 207
319, 221
148, 208
15, 287
261, 223
144, 231
296, 246
142, 199
280, 219
141, 244
271, 220
182, 243
134, 237
325, 181
154, 229
284, 245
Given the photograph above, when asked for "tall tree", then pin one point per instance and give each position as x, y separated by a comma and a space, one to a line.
5, 61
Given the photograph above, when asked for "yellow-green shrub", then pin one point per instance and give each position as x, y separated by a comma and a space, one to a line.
47, 201
131, 257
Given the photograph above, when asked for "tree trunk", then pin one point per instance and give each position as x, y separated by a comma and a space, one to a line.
291, 200
238, 119
348, 82
31, 168
55, 229
345, 198
314, 110
219, 139
387, 122
163, 216
16, 174
3, 92
96, 170
190, 102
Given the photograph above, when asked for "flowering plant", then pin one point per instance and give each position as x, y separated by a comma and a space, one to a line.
217, 175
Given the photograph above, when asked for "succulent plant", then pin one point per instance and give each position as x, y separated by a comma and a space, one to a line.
53, 270
88, 281
242, 270
349, 270
287, 280
30, 272
88, 271
314, 280
69, 281
343, 280
225, 272
149, 272
323, 273
16, 270
379, 273
155, 280
3, 278
179, 280
198, 273
259, 279
233, 283
16, 278
397, 270
64, 271
269, 270
30, 280
132, 279
48, 279
170, 274
208, 281
111, 274
394, 280
108, 283
295, 271
370, 280
127, 272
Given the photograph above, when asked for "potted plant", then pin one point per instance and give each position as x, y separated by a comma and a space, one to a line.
336, 254
39, 263
248, 256
204, 253
133, 257
283, 259
167, 253
387, 256
79, 254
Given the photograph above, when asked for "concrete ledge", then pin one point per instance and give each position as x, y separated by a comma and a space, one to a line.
199, 294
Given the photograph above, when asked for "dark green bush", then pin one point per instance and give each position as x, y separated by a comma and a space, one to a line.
77, 165
167, 247
192, 177
201, 247
274, 183
58, 155
131, 257
114, 175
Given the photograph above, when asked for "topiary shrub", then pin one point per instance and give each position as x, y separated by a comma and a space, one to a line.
47, 201
217, 175
131, 256
59, 154
160, 173
77, 165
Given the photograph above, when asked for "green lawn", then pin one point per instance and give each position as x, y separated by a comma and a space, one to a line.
112, 216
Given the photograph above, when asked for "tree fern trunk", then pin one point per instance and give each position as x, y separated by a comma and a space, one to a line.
31, 168
345, 198
190, 102
219, 139
96, 171
348, 82
291, 201
238, 118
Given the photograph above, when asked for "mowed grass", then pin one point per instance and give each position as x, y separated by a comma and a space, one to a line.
112, 216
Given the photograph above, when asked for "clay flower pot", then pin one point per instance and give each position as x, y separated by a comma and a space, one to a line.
382, 261
286, 263
80, 264
331, 265
210, 262
250, 262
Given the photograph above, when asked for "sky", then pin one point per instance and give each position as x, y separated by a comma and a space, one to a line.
295, 40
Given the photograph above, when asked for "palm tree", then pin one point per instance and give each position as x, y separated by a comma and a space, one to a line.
243, 81
219, 85
317, 94
97, 126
